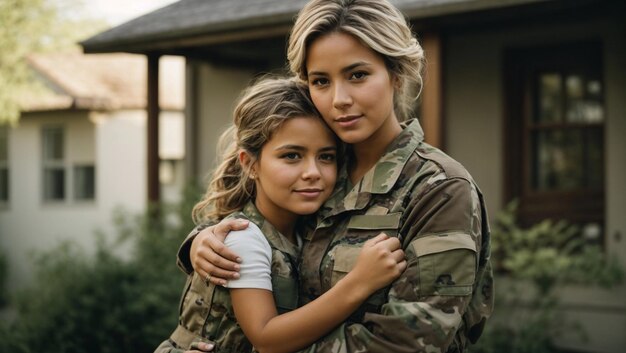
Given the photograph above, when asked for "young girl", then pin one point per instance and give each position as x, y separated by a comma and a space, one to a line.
362, 65
279, 166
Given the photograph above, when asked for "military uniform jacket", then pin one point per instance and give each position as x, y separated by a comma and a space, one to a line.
206, 312
430, 202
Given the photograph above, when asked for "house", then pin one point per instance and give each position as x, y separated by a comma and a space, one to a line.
527, 94
79, 151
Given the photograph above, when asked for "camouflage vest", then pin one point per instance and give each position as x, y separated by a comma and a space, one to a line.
381, 202
206, 312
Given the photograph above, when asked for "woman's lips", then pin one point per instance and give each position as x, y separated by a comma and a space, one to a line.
348, 120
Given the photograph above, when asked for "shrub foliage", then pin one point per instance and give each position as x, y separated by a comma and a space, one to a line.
101, 302
538, 261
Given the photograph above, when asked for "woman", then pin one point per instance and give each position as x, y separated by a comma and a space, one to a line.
362, 66
279, 166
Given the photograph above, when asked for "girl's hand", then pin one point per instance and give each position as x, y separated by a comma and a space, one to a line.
380, 262
210, 258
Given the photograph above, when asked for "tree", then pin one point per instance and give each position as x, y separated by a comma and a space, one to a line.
31, 26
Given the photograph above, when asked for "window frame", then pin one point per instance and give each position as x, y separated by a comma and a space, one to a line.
521, 68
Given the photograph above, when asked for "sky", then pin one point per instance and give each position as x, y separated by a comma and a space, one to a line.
116, 12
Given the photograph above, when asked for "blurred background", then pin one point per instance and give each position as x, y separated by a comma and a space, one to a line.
110, 112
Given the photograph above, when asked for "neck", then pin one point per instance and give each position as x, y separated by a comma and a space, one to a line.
284, 222
369, 152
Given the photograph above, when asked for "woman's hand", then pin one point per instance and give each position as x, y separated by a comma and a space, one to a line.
210, 258
380, 261
200, 347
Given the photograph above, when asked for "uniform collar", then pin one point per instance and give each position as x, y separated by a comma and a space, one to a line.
381, 178
273, 236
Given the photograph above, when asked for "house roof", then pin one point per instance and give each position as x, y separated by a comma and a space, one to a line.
101, 82
200, 21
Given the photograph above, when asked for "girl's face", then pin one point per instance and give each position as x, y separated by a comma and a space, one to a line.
296, 170
352, 89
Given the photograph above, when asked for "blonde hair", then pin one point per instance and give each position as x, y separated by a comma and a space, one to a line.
377, 24
261, 110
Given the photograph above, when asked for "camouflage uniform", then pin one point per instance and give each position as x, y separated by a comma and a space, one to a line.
428, 200
206, 312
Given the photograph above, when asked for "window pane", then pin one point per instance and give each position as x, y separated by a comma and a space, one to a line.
594, 157
4, 144
167, 171
53, 143
4, 185
54, 184
550, 98
584, 100
557, 160
84, 183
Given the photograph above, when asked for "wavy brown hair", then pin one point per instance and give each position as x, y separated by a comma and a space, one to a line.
261, 110
378, 25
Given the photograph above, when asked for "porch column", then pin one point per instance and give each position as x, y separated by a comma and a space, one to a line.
432, 115
153, 129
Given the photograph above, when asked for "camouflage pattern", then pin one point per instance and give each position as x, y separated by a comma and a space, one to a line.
429, 201
206, 312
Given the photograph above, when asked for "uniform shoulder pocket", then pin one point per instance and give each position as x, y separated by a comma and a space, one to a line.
367, 221
446, 264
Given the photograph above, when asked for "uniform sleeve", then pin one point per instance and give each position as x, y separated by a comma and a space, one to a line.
427, 305
256, 253
167, 347
183, 258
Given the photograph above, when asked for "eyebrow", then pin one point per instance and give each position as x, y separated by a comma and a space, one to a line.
344, 70
328, 149
302, 148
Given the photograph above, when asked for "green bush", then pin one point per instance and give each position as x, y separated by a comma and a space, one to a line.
536, 261
100, 302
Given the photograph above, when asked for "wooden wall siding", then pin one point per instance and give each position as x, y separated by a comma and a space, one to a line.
432, 114
153, 129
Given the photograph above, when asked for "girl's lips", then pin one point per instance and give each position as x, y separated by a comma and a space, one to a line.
310, 193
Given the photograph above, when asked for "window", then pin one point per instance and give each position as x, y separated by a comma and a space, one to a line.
4, 164
167, 171
53, 164
84, 183
555, 133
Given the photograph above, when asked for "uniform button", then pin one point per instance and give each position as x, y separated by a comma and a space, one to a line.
199, 301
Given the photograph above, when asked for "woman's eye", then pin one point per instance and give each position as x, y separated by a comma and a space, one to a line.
358, 75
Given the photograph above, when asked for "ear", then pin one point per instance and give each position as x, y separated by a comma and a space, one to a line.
247, 161
396, 82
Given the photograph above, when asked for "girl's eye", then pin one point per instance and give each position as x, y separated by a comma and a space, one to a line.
319, 81
358, 75
292, 156
328, 157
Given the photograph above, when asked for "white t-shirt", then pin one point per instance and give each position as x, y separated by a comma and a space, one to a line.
256, 268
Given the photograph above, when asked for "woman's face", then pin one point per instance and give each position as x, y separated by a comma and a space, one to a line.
352, 89
296, 170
